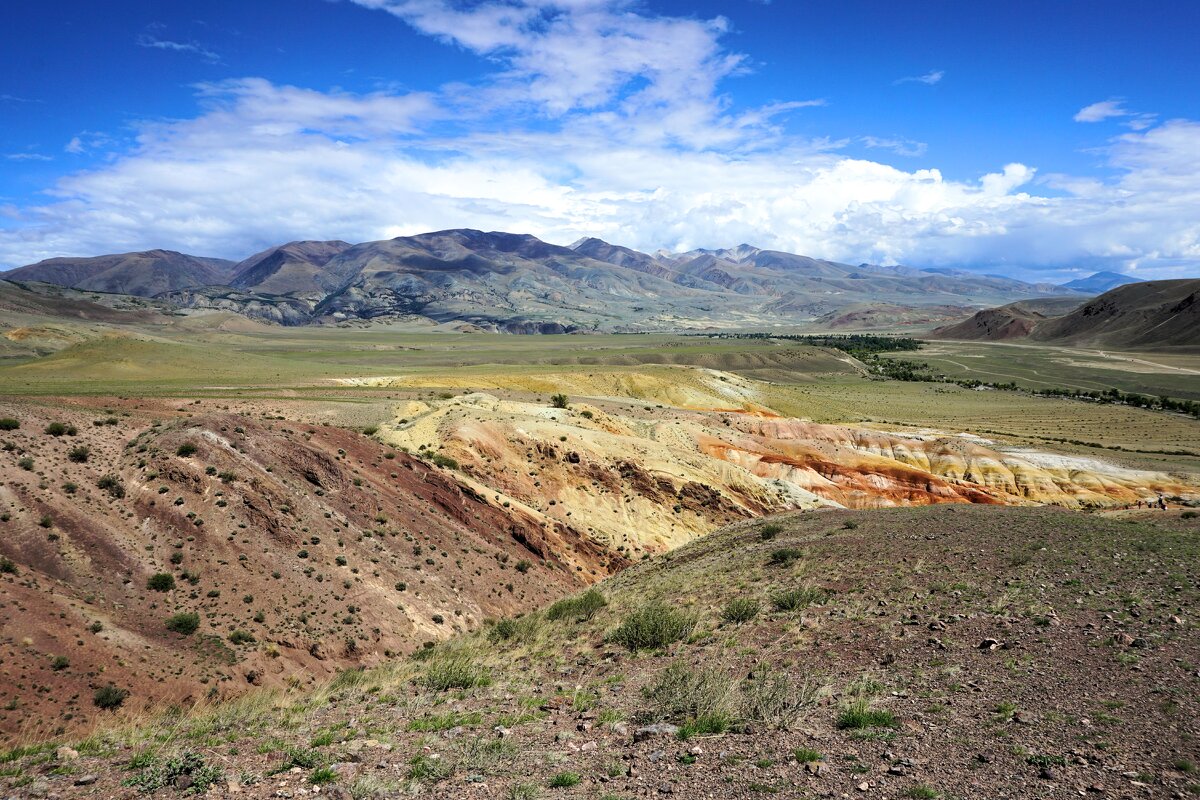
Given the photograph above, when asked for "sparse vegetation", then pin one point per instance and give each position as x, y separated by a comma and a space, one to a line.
185, 622
652, 626
186, 450
161, 582
740, 609
109, 697
579, 608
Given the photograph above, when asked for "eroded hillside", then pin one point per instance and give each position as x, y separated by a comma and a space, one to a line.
300, 549
645, 461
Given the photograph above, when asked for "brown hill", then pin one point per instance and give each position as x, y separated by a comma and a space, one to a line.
1137, 315
1013, 321
144, 274
302, 550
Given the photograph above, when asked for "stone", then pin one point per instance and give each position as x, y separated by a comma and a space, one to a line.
86, 780
989, 645
657, 729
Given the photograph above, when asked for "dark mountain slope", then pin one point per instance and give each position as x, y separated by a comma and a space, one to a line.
144, 274
1147, 314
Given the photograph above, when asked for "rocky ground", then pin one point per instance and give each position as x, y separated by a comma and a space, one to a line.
947, 651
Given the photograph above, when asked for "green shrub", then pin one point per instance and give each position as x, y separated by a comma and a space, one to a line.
558, 401
26, 463
806, 756
776, 698
78, 454
186, 769
1189, 515
185, 450
797, 599
185, 622
161, 582
55, 429
241, 637
321, 776
455, 671
740, 609
684, 694
565, 780
8, 566
59, 663
579, 608
9, 424
769, 532
521, 629
109, 697
921, 792
523, 566
859, 715
443, 461
112, 484
785, 556
652, 626
427, 768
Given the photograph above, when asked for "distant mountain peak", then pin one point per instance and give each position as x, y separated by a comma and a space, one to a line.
1099, 282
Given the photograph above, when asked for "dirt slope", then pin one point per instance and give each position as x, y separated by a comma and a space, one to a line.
326, 547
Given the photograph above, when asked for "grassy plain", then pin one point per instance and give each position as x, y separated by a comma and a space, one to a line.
301, 370
1171, 373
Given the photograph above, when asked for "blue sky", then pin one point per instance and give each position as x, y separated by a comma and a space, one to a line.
1040, 139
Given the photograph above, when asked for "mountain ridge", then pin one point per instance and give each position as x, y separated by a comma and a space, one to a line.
514, 282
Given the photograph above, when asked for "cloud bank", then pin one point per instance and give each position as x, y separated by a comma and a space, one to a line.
598, 119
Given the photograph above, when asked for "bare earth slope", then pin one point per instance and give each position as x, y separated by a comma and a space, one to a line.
326, 548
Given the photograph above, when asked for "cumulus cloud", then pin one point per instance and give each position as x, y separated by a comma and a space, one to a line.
648, 152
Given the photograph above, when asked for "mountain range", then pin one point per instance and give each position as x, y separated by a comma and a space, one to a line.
517, 283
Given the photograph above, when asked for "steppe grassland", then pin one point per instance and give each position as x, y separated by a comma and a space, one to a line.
311, 374
1172, 373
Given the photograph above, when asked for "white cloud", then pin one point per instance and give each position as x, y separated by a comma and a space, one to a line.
649, 153
75, 146
1098, 112
929, 78
899, 146
27, 157
153, 42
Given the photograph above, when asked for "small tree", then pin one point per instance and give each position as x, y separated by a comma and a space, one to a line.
559, 401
